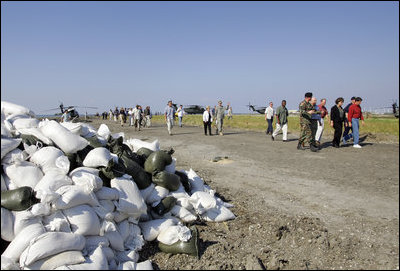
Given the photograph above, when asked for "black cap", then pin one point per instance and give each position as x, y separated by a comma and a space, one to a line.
353, 98
308, 95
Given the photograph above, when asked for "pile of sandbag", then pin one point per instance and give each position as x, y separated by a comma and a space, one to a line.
73, 197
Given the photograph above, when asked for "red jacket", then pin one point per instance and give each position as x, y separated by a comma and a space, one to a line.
355, 112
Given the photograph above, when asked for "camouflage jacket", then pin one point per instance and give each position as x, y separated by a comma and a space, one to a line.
305, 106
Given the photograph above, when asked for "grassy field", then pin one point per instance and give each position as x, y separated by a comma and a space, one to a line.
373, 125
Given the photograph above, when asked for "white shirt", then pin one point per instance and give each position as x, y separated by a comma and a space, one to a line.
207, 116
180, 112
269, 112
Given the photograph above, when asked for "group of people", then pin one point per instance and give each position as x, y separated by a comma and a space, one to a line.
136, 115
217, 113
312, 121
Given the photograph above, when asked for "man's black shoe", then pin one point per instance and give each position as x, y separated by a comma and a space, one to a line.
272, 137
313, 148
300, 147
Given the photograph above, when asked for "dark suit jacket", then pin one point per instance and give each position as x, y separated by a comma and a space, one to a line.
335, 115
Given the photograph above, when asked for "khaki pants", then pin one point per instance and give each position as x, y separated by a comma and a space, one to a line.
170, 124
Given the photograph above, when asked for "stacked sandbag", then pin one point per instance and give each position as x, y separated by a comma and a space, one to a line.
77, 198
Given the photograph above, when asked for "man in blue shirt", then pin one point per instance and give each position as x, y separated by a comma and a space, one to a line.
169, 114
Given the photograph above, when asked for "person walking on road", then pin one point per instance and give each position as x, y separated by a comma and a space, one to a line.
230, 116
269, 117
220, 114
320, 129
148, 116
354, 116
346, 134
337, 120
281, 121
306, 109
207, 120
180, 114
169, 114
315, 119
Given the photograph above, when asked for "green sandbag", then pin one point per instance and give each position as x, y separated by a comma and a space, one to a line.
115, 144
105, 179
165, 205
18, 199
191, 247
113, 169
74, 161
31, 140
185, 181
82, 153
141, 177
144, 152
94, 142
157, 161
167, 180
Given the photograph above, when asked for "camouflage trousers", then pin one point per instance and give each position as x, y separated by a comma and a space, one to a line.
305, 133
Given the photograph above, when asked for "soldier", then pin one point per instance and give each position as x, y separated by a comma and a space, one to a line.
220, 114
306, 109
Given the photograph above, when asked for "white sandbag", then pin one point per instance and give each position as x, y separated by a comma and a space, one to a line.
46, 158
103, 213
147, 191
5, 132
36, 133
130, 200
123, 228
8, 182
9, 108
53, 180
151, 229
157, 195
95, 241
131, 265
127, 255
179, 193
135, 144
14, 156
7, 225
83, 220
107, 193
52, 262
8, 264
74, 195
110, 230
218, 214
23, 123
24, 173
107, 204
73, 127
104, 131
196, 182
119, 216
96, 261
174, 234
87, 130
22, 239
56, 221
50, 243
91, 180
202, 201
9, 144
77, 170
183, 214
98, 157
135, 240
185, 203
62, 137
171, 167
22, 219
118, 135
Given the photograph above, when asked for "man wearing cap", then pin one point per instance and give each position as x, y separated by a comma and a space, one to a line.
169, 114
347, 127
220, 114
306, 110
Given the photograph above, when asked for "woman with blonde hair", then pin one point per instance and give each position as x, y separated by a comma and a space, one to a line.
207, 120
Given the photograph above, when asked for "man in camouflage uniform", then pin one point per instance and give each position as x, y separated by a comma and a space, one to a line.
220, 114
306, 109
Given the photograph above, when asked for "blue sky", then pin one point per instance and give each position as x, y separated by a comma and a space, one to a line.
109, 54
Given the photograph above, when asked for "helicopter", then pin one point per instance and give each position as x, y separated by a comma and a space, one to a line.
259, 109
74, 115
191, 109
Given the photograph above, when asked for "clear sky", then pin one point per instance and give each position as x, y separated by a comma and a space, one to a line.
109, 54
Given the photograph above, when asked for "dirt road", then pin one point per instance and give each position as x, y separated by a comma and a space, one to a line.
335, 209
